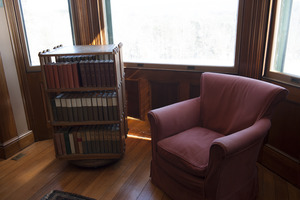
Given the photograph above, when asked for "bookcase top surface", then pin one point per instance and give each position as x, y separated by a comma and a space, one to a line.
81, 50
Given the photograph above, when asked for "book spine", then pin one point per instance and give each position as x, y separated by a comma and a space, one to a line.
66, 75
56, 76
75, 74
61, 75
83, 73
70, 75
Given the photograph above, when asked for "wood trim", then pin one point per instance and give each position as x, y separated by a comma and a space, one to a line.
14, 24
281, 163
255, 27
88, 22
16, 144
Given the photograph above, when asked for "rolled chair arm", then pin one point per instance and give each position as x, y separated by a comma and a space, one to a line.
172, 119
233, 158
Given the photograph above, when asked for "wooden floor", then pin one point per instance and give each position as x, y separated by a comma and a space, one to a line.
38, 172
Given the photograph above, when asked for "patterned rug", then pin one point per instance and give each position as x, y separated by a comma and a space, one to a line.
60, 195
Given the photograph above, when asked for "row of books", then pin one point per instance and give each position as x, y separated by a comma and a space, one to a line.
88, 73
74, 58
97, 139
85, 106
97, 73
62, 75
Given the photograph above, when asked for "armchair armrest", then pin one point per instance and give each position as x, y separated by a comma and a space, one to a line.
233, 157
239, 141
172, 119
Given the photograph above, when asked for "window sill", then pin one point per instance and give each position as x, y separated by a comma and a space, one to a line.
180, 68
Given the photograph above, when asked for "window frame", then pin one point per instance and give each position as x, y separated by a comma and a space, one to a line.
200, 68
24, 41
283, 78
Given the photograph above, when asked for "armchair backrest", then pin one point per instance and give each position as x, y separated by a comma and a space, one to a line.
230, 103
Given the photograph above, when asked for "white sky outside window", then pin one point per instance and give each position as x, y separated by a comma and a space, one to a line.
190, 32
292, 56
47, 24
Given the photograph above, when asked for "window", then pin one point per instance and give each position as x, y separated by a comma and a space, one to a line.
285, 50
191, 32
47, 24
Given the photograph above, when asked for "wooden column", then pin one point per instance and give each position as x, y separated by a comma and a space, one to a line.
8, 129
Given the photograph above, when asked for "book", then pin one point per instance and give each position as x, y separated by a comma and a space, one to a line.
115, 106
89, 106
74, 107
74, 66
82, 70
98, 73
93, 73
79, 106
65, 75
70, 75
65, 131
104, 106
84, 97
64, 107
58, 145
71, 140
110, 106
61, 75
95, 107
56, 76
79, 140
69, 107
58, 106
100, 106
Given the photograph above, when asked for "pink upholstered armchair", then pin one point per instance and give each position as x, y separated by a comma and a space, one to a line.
207, 147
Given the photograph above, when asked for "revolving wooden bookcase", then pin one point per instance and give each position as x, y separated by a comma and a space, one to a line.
84, 94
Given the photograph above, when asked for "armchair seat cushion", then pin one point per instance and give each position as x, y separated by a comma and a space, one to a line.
188, 150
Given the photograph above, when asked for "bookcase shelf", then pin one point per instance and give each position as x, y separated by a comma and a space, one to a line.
84, 94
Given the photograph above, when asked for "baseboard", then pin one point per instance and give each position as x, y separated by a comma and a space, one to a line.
15, 145
281, 164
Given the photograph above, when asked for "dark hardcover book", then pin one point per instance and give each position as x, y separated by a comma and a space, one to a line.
47, 76
56, 76
79, 107
74, 107
102, 73
64, 107
88, 74
75, 139
100, 106
69, 107
70, 75
102, 142
58, 106
83, 136
95, 107
115, 106
107, 77
67, 140
66, 75
51, 76
83, 73
75, 73
63, 143
84, 97
104, 106
79, 140
58, 146
97, 73
88, 139
61, 75
54, 110
89, 107
118, 140
110, 106
93, 73
93, 139
112, 73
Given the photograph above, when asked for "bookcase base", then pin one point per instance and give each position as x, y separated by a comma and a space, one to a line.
93, 163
